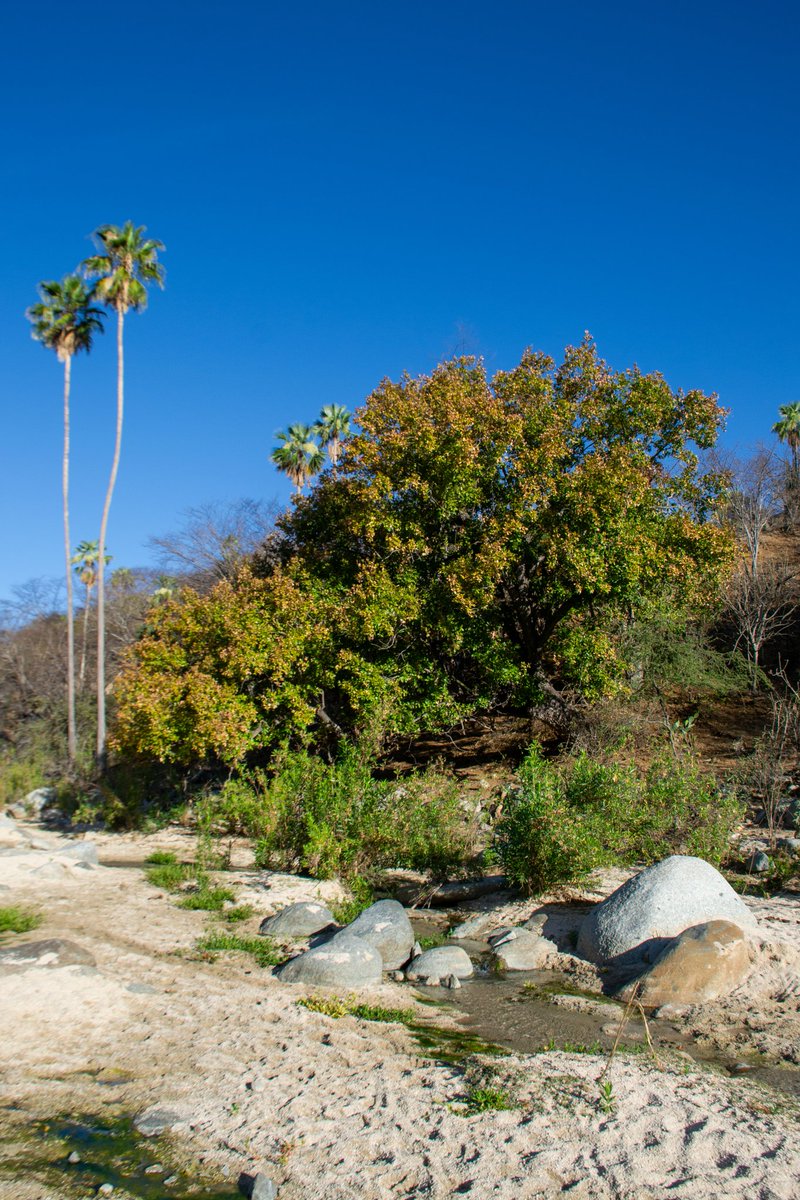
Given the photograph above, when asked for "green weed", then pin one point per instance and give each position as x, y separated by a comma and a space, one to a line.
485, 1099
161, 858
18, 920
207, 899
262, 949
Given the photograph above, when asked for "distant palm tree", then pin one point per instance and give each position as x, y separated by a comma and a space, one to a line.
85, 562
332, 427
788, 430
65, 320
299, 457
125, 263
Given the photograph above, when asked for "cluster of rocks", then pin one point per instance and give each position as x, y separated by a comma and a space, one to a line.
679, 928
50, 855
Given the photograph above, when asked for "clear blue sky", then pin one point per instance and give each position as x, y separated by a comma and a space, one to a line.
350, 190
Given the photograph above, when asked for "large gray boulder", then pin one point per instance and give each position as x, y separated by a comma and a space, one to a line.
299, 920
638, 919
49, 952
521, 949
39, 799
386, 927
343, 962
439, 963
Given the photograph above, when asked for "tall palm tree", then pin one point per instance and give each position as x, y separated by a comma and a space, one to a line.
65, 320
332, 427
85, 562
788, 430
299, 457
125, 263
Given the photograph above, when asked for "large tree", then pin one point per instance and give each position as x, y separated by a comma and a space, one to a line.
299, 456
65, 320
332, 427
126, 262
788, 430
483, 544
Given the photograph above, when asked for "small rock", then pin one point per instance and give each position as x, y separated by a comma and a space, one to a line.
82, 852
759, 863
155, 1121
263, 1188
50, 952
143, 989
397, 976
792, 845
386, 927
74, 1157
473, 927
154, 1169
416, 950
50, 870
105, 1189
452, 982
521, 950
344, 961
39, 799
298, 920
438, 963
170, 1181
536, 923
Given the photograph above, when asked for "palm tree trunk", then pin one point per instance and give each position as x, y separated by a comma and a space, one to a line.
82, 672
71, 738
101, 559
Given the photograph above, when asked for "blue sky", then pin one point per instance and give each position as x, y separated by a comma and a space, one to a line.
351, 190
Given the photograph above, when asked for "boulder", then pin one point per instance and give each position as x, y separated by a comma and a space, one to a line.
50, 952
473, 927
39, 799
521, 949
759, 863
439, 963
343, 962
703, 963
638, 919
298, 920
80, 851
384, 926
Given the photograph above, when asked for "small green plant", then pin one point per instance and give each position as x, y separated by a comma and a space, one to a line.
161, 858
207, 899
169, 876
329, 1006
432, 940
362, 896
337, 1006
485, 1099
607, 1100
18, 920
242, 912
262, 949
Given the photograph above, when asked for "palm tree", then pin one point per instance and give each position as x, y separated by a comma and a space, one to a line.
125, 264
788, 430
65, 320
299, 457
85, 562
331, 427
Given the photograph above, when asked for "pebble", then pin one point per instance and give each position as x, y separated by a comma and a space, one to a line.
74, 1157
263, 1188
171, 1181
105, 1189
154, 1169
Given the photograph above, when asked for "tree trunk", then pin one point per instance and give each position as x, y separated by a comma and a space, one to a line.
101, 558
82, 671
71, 737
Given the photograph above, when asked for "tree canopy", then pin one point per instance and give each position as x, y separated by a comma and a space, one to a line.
479, 541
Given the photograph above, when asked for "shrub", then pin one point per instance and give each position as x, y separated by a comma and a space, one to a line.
337, 819
561, 822
18, 920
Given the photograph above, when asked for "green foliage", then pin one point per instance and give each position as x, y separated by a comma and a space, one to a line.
360, 898
242, 912
336, 1006
207, 898
561, 822
262, 949
667, 648
485, 1099
169, 876
161, 858
337, 819
14, 919
607, 1100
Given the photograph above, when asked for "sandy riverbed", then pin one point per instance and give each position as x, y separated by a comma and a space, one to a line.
334, 1109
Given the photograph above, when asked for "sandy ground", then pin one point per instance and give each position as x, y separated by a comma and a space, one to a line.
334, 1109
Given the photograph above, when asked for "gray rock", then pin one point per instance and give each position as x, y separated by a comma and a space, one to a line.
537, 922
51, 870
790, 844
440, 962
473, 927
460, 890
386, 927
38, 800
7, 822
74, 1158
343, 962
452, 982
759, 862
50, 952
703, 963
521, 949
155, 1121
82, 852
141, 989
298, 920
791, 815
263, 1188
640, 917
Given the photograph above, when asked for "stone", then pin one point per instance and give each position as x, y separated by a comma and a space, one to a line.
452, 982
50, 952
759, 862
40, 798
51, 870
155, 1121
298, 920
263, 1188
636, 922
791, 815
792, 845
384, 926
521, 949
703, 963
537, 922
343, 962
82, 852
74, 1158
473, 927
438, 963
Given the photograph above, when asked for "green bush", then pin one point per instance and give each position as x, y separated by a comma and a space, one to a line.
337, 819
14, 919
561, 822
